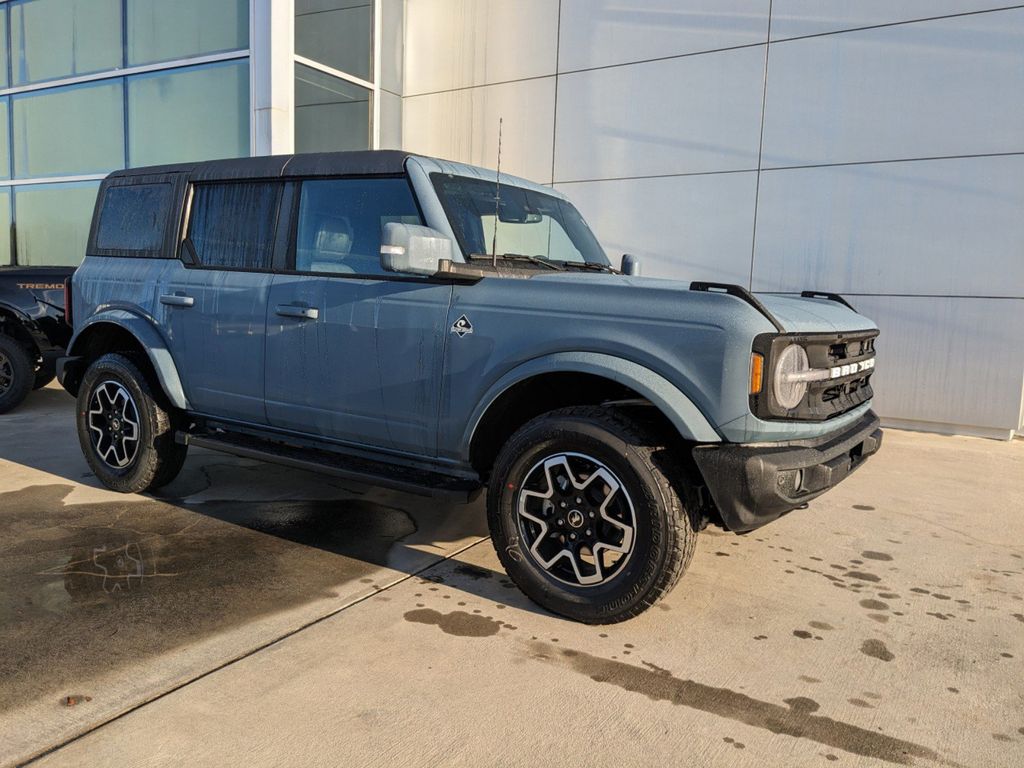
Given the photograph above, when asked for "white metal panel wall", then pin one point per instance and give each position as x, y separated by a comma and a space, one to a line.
874, 148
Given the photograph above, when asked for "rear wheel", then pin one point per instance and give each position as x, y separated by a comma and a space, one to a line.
125, 432
16, 373
588, 515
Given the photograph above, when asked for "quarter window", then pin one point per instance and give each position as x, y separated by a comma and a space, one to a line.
231, 226
134, 218
341, 220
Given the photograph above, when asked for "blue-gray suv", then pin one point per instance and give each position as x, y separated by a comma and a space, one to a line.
429, 326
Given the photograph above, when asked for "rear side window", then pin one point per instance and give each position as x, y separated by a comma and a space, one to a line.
134, 218
341, 221
231, 226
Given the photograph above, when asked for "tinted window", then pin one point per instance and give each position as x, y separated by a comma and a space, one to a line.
338, 33
58, 38
159, 30
134, 217
331, 114
191, 113
65, 131
340, 223
232, 225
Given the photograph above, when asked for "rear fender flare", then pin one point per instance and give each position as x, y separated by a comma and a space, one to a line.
149, 338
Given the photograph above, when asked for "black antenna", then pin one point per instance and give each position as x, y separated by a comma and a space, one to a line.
497, 202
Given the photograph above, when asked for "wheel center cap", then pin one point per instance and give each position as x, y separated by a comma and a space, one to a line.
115, 424
575, 518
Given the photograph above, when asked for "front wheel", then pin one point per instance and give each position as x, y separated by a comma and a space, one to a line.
587, 514
125, 432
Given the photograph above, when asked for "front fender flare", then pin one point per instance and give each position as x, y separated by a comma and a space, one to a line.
666, 396
151, 341
28, 324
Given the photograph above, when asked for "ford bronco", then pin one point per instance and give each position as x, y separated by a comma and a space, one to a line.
33, 333
428, 326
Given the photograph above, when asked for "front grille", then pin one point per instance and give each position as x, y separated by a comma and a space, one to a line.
828, 398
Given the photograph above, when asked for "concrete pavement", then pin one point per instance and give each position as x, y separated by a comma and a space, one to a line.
282, 619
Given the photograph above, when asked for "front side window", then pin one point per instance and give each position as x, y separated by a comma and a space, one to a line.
231, 226
341, 221
529, 223
134, 218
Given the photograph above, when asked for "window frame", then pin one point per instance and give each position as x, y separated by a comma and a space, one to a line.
185, 249
168, 248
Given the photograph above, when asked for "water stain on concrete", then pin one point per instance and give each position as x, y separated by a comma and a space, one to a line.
803, 634
877, 650
821, 625
874, 605
881, 618
861, 703
1019, 617
86, 584
458, 623
869, 555
862, 576
797, 719
808, 679
472, 571
864, 507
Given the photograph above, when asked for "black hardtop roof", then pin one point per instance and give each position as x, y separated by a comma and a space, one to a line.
378, 162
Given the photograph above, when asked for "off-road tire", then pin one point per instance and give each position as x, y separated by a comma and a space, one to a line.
44, 376
18, 366
158, 458
666, 512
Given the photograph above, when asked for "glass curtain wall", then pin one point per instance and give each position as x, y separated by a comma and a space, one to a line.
335, 77
91, 86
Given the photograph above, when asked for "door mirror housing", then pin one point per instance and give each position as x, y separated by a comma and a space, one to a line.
413, 249
630, 264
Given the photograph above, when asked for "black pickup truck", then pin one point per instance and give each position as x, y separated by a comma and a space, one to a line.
33, 333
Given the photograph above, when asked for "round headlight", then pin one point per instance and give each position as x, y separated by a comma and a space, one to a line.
788, 386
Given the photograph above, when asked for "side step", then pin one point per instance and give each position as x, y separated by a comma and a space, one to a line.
356, 468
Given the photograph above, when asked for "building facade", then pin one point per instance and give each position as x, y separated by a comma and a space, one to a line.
873, 148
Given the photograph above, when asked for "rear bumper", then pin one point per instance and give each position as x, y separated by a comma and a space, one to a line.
755, 484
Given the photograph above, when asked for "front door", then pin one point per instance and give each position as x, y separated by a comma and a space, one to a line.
353, 353
216, 305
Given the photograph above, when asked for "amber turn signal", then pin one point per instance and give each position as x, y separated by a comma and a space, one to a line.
756, 372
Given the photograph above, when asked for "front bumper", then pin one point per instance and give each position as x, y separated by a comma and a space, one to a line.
753, 484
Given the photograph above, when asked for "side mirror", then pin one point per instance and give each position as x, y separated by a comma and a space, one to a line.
630, 264
413, 249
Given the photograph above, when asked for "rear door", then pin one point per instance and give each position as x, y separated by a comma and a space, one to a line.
215, 299
354, 353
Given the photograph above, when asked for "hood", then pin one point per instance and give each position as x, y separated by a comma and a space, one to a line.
796, 313
805, 315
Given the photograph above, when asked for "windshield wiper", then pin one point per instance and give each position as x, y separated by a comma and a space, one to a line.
596, 266
520, 257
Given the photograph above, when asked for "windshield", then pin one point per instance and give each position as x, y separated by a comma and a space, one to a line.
530, 223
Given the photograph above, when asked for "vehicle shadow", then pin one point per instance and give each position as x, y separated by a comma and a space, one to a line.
232, 550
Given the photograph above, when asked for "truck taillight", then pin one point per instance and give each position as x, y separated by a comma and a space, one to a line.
67, 301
